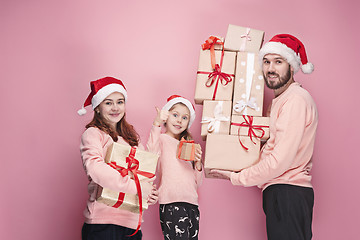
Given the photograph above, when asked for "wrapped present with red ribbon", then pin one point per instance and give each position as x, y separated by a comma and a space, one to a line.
225, 153
215, 117
186, 150
249, 85
253, 127
215, 73
243, 39
138, 164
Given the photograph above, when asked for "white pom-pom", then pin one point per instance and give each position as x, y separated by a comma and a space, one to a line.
82, 111
307, 68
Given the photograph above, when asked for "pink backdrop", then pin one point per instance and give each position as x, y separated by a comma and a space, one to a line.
50, 50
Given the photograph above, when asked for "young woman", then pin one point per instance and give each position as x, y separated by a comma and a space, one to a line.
108, 99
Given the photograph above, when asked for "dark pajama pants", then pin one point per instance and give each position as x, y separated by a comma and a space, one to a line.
179, 220
108, 232
288, 211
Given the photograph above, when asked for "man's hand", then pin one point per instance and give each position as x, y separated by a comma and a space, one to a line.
223, 174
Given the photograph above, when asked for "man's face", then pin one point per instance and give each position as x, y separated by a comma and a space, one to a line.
276, 70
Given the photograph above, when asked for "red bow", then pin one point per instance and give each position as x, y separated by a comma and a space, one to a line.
133, 166
252, 128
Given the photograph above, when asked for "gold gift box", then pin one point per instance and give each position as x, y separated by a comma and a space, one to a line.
147, 163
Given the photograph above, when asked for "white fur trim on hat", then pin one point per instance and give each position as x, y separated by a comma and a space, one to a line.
106, 91
186, 102
279, 48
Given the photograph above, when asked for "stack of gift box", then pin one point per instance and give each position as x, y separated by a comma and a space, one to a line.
230, 87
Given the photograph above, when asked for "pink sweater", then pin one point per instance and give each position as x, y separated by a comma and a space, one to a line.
286, 158
93, 147
178, 181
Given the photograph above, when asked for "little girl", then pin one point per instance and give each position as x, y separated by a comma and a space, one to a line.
178, 179
108, 99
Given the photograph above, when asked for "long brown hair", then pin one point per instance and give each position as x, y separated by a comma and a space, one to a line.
123, 129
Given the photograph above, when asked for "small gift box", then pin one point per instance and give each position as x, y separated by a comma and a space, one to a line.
249, 85
186, 150
138, 164
254, 127
215, 76
215, 117
225, 152
243, 39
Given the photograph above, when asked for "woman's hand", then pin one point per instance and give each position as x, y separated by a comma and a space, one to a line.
154, 196
147, 187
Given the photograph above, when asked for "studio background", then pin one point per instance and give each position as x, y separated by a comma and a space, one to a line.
51, 50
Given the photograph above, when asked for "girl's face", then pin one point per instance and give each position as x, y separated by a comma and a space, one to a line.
178, 120
112, 108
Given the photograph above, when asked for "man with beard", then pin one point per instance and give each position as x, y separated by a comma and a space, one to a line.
283, 170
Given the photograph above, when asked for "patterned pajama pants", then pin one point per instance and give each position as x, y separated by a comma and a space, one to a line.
179, 220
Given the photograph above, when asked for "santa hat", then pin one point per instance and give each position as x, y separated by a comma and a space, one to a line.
100, 89
174, 99
291, 49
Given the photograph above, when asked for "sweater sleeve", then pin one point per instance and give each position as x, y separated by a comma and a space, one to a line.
91, 149
153, 144
289, 129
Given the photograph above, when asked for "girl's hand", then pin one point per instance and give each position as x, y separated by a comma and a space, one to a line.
161, 117
154, 196
197, 160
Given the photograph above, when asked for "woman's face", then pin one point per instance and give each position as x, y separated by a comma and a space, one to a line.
112, 108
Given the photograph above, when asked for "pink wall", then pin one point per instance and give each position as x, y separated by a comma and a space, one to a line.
50, 50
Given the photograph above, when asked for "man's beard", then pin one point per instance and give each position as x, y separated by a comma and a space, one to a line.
282, 80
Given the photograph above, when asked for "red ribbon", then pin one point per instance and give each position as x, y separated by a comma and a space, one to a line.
210, 44
192, 154
133, 166
252, 128
216, 75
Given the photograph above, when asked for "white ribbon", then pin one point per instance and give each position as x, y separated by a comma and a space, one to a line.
242, 104
245, 38
214, 122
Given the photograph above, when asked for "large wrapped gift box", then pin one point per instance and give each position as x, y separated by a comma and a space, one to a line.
218, 83
186, 150
243, 39
215, 117
117, 156
256, 127
249, 85
225, 152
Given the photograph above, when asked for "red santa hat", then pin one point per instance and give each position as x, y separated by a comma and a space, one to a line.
174, 99
100, 89
291, 49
